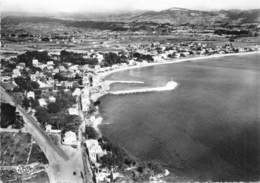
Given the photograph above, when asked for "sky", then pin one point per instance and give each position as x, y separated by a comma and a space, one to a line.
71, 6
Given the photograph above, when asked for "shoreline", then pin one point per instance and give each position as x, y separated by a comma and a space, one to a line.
106, 88
105, 74
106, 83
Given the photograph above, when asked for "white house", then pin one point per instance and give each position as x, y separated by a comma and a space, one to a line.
56, 71
100, 57
70, 138
74, 68
16, 73
50, 63
50, 130
94, 149
76, 92
132, 62
35, 62
31, 94
73, 111
68, 84
43, 85
33, 77
42, 102
52, 99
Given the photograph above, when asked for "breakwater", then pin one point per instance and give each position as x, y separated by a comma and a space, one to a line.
171, 85
206, 130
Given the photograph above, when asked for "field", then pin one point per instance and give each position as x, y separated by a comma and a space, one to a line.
15, 148
37, 155
12, 176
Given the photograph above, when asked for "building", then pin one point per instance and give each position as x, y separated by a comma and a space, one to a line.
16, 73
70, 138
31, 94
50, 63
76, 92
35, 62
42, 102
94, 149
73, 111
50, 130
52, 99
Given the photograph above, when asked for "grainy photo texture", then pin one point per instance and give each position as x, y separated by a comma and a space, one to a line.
126, 91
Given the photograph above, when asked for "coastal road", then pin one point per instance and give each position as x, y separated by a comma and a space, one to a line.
62, 168
51, 151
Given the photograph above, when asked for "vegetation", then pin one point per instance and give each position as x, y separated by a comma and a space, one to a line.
27, 57
112, 58
91, 133
14, 148
37, 155
10, 176
9, 117
141, 57
118, 157
76, 58
60, 120
26, 84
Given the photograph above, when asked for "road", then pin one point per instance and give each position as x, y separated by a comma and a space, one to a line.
65, 166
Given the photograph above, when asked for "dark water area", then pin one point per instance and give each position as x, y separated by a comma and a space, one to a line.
208, 128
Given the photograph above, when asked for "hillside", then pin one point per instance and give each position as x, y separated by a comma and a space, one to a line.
175, 16
179, 16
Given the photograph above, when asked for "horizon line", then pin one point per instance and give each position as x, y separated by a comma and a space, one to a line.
122, 10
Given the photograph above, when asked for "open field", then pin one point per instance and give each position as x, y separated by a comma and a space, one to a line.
11, 176
15, 148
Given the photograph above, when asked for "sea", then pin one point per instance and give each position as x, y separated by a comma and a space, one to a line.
207, 129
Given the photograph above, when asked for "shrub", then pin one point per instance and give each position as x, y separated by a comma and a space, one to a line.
91, 133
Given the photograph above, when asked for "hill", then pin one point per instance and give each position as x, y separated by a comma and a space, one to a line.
174, 16
179, 16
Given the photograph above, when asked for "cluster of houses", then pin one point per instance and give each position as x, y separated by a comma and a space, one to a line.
83, 81
53, 76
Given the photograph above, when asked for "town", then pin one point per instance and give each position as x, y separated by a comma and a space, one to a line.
60, 91
58, 59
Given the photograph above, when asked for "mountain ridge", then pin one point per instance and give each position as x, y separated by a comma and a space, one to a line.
173, 15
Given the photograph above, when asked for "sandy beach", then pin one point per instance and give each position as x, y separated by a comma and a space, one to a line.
107, 73
106, 84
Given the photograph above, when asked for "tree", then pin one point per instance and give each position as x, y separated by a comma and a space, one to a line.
64, 100
42, 115
28, 56
53, 108
22, 83
8, 115
91, 133
25, 83
91, 61
34, 85
112, 58
26, 103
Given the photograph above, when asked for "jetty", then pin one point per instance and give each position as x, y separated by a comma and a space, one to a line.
171, 85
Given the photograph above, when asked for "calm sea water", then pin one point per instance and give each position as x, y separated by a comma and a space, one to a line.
208, 128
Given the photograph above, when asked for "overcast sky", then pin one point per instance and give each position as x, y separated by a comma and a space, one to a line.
44, 6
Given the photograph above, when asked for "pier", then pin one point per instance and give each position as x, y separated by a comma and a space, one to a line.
171, 85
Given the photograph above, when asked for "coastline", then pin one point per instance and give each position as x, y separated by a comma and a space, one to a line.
105, 74
105, 88
106, 83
